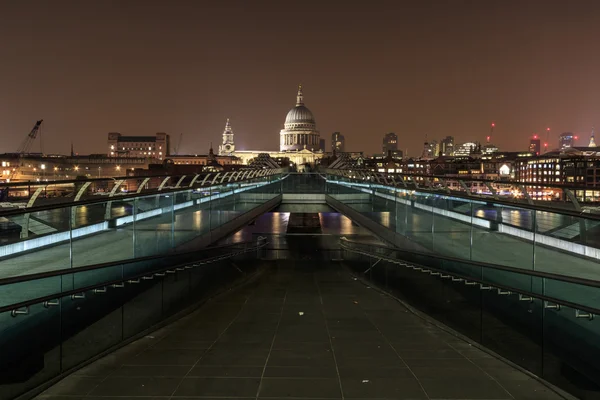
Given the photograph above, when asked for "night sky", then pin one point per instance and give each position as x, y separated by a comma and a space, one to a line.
415, 68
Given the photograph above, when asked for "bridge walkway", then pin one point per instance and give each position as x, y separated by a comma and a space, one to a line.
304, 330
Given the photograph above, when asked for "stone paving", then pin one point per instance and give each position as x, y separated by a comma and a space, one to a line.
304, 330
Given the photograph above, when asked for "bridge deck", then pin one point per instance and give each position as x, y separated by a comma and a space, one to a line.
303, 330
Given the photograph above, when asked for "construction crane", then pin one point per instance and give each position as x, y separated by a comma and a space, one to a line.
176, 149
25, 147
28, 142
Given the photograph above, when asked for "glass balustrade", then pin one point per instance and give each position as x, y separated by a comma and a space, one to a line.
81, 314
120, 228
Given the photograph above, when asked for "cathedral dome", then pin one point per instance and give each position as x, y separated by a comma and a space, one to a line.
300, 117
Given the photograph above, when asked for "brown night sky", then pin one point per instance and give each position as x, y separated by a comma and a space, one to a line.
412, 67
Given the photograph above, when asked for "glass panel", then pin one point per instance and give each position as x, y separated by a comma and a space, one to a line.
572, 351
452, 226
419, 220
153, 224
91, 324
567, 245
35, 242
512, 327
143, 307
497, 228
17, 292
107, 235
30, 346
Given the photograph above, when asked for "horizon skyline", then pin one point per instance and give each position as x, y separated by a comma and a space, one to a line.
581, 136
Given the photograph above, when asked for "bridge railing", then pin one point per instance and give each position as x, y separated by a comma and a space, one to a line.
117, 227
526, 236
52, 323
548, 194
544, 322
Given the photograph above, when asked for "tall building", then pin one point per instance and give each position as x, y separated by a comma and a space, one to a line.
592, 141
566, 139
338, 143
430, 150
447, 146
228, 145
300, 131
390, 144
157, 146
535, 145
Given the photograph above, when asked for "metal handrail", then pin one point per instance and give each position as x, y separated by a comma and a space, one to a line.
500, 201
521, 271
464, 179
111, 179
69, 271
101, 200
485, 285
15, 307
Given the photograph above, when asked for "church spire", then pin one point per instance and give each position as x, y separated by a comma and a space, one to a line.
592, 141
227, 126
299, 97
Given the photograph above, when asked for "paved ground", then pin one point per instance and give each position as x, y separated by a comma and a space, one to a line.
301, 331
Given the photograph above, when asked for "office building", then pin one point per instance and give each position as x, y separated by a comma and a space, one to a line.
535, 145
447, 146
566, 139
338, 143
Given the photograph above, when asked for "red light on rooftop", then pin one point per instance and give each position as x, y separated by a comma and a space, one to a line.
493, 124
545, 144
535, 136
575, 138
547, 129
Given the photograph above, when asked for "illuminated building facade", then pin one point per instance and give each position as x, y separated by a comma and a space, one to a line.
447, 146
157, 147
227, 147
300, 129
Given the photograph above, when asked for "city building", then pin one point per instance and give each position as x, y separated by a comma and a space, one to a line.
566, 139
535, 145
300, 131
204, 159
157, 146
447, 146
390, 143
489, 148
465, 149
573, 166
338, 142
43, 168
227, 147
430, 150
